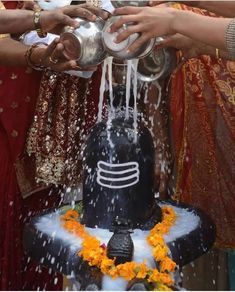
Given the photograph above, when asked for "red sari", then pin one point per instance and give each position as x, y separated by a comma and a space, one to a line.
202, 109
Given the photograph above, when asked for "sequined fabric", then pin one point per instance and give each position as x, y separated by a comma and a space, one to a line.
56, 137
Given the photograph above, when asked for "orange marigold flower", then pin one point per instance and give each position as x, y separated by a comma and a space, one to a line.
160, 252
106, 265
141, 271
155, 239
71, 214
166, 279
167, 265
154, 276
127, 270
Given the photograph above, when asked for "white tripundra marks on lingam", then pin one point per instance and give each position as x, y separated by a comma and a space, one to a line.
117, 176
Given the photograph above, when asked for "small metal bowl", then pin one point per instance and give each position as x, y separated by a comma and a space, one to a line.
157, 65
84, 44
120, 51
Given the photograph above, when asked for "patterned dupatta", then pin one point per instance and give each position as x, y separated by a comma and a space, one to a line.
203, 126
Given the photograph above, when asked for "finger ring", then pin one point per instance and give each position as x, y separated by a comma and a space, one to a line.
54, 61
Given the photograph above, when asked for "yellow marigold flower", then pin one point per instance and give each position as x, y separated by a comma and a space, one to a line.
155, 239
106, 265
91, 243
160, 252
127, 270
141, 271
167, 265
166, 279
113, 272
154, 276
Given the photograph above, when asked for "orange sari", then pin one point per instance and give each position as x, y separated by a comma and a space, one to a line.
203, 131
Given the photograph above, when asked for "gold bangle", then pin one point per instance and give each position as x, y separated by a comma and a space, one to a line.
37, 24
28, 56
217, 54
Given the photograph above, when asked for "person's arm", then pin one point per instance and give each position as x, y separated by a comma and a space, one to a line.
19, 21
222, 7
14, 53
191, 48
154, 22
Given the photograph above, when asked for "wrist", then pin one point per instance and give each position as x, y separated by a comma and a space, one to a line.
175, 20
37, 56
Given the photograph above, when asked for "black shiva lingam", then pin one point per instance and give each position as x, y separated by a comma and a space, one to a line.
118, 196
119, 176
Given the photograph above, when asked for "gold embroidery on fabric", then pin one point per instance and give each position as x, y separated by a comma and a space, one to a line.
57, 134
228, 90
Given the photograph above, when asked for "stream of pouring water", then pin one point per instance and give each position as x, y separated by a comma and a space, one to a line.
128, 87
131, 82
102, 90
135, 89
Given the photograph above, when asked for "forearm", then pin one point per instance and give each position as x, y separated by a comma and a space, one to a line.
12, 53
208, 30
16, 21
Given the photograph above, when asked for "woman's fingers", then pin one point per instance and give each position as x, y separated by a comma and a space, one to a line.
51, 47
96, 11
122, 21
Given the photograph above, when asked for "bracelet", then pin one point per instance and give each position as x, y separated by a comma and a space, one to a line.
230, 39
28, 57
217, 54
37, 24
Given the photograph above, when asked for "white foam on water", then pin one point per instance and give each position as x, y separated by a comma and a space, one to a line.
109, 284
186, 222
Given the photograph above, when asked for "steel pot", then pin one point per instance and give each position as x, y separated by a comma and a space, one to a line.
120, 51
84, 44
159, 64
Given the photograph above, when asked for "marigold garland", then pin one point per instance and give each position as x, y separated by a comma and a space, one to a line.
95, 253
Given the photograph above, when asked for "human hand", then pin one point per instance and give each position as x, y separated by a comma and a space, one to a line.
55, 20
149, 22
52, 57
188, 47
29, 5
